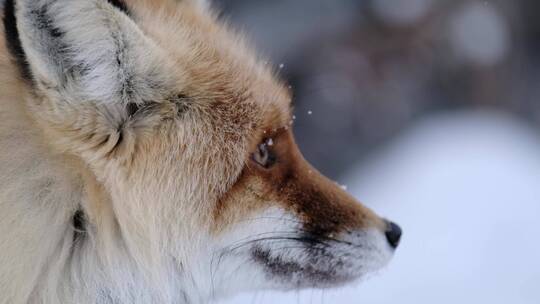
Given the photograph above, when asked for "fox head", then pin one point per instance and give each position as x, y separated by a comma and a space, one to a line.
192, 181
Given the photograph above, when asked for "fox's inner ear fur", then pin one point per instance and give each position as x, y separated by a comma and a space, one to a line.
89, 50
91, 69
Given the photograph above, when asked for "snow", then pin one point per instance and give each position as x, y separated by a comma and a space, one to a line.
465, 188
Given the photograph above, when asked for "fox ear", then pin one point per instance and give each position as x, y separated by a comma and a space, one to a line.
88, 50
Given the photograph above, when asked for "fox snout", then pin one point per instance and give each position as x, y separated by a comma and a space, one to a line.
328, 210
298, 226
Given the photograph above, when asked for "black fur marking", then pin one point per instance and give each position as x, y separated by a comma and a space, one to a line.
44, 22
120, 139
181, 102
275, 265
13, 40
121, 5
55, 47
132, 108
300, 274
79, 225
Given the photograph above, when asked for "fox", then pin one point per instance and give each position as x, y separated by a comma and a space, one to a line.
147, 156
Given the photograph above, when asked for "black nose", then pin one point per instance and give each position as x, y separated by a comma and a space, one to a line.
393, 234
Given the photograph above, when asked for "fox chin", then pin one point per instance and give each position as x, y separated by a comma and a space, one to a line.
147, 156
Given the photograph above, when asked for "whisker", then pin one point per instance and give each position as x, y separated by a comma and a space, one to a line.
298, 239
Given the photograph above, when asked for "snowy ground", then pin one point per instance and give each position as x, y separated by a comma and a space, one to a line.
465, 187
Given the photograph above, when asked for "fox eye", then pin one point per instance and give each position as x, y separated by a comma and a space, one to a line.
263, 156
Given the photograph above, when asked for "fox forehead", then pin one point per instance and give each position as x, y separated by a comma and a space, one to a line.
237, 98
211, 62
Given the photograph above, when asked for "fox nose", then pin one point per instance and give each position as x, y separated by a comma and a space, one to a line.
393, 234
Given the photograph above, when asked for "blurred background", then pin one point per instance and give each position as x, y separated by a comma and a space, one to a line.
429, 112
